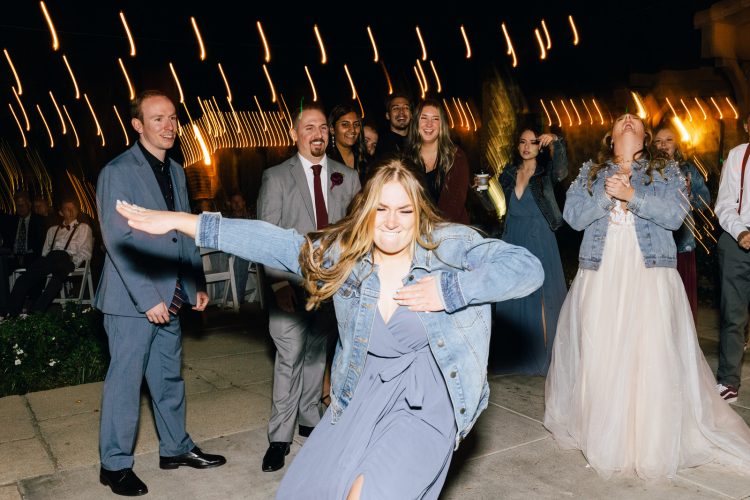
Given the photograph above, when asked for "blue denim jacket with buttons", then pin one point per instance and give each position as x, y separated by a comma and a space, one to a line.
659, 206
472, 271
700, 198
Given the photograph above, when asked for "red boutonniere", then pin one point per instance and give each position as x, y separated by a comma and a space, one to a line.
336, 179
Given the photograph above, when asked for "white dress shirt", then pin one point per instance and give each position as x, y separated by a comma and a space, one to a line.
728, 199
310, 176
81, 244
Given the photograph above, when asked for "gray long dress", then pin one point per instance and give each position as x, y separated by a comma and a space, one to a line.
398, 430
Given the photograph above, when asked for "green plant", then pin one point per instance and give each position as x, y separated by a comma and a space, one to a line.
44, 351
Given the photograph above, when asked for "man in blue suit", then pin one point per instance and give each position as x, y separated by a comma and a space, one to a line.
145, 281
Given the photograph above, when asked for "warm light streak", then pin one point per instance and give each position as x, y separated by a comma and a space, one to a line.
375, 56
199, 37
323, 56
262, 114
351, 82
23, 110
72, 76
542, 50
15, 74
127, 32
639, 104
465, 119
559, 120
204, 148
707, 206
59, 113
721, 115
312, 85
437, 78
270, 83
690, 115
458, 112
510, 51
574, 29
419, 80
700, 166
226, 83
448, 112
549, 118
468, 109
565, 108
466, 42
234, 115
55, 41
361, 108
576, 111
670, 106
177, 81
122, 125
684, 134
387, 78
421, 44
49, 132
705, 116
267, 50
96, 121
72, 126
546, 35
591, 118
424, 77
734, 110
131, 90
288, 114
187, 111
20, 128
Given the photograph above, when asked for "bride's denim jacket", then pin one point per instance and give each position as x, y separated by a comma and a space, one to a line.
659, 206
473, 272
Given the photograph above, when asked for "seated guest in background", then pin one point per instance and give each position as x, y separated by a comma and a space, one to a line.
42, 208
67, 246
239, 210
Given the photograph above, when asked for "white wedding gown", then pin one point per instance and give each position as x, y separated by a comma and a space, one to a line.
628, 384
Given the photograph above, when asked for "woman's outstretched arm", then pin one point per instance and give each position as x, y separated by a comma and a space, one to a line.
156, 221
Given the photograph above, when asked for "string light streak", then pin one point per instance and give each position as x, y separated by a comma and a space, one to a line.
72, 126
708, 221
559, 120
458, 112
312, 85
421, 44
323, 56
49, 132
127, 32
375, 55
55, 41
546, 35
574, 30
690, 115
59, 113
701, 167
468, 108
23, 110
601, 117
419, 80
15, 74
177, 81
639, 104
351, 82
721, 115
591, 118
684, 134
72, 77
270, 83
437, 78
542, 50
199, 37
361, 108
96, 121
448, 112
424, 77
576, 111
387, 78
466, 42
288, 114
260, 110
266, 49
122, 125
511, 51
734, 110
20, 128
131, 90
187, 111
565, 108
463, 113
226, 84
705, 116
234, 115
202, 143
549, 118
670, 106
219, 115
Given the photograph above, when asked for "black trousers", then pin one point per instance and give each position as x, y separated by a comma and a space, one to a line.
734, 263
59, 264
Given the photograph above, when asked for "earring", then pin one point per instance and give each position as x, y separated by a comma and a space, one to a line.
333, 140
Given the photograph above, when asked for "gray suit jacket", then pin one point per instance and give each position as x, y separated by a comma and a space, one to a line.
140, 270
284, 200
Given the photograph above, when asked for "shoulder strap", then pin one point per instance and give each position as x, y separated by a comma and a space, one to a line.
70, 237
742, 176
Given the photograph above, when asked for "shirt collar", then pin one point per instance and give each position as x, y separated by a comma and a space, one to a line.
306, 164
153, 160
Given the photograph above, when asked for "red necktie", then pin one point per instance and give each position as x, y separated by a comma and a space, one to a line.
321, 214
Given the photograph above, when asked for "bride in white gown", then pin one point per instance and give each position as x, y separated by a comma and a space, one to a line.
628, 384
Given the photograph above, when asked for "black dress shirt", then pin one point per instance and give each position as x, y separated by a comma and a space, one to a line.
162, 174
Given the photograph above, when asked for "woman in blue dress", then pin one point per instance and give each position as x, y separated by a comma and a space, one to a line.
524, 329
412, 296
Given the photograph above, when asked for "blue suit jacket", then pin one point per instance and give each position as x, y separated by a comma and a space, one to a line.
140, 270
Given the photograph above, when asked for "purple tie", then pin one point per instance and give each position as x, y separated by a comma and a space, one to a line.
321, 214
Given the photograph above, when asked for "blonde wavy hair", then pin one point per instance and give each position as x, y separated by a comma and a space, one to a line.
328, 256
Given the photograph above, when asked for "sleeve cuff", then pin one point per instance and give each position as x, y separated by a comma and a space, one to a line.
450, 292
207, 232
635, 204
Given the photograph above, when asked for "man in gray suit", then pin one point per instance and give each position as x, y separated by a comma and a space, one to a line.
306, 192
145, 281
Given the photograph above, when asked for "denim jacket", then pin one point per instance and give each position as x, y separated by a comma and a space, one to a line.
698, 191
473, 272
541, 183
659, 208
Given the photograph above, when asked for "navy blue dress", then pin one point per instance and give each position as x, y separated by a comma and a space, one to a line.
398, 431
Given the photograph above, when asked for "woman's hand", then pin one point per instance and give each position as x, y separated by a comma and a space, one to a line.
618, 186
422, 296
156, 221
546, 139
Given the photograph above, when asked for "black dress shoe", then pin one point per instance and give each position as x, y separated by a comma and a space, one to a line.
194, 458
305, 431
274, 457
123, 482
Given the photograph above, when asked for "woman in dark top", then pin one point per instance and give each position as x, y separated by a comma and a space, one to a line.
523, 329
445, 166
346, 143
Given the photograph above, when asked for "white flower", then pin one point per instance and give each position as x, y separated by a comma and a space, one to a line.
18, 361
19, 351
23, 316
52, 362
53, 338
15, 346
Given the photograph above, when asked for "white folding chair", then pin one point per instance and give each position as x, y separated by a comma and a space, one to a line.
87, 283
217, 273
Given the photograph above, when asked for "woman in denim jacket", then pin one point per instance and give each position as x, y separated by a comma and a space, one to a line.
412, 296
628, 384
524, 329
